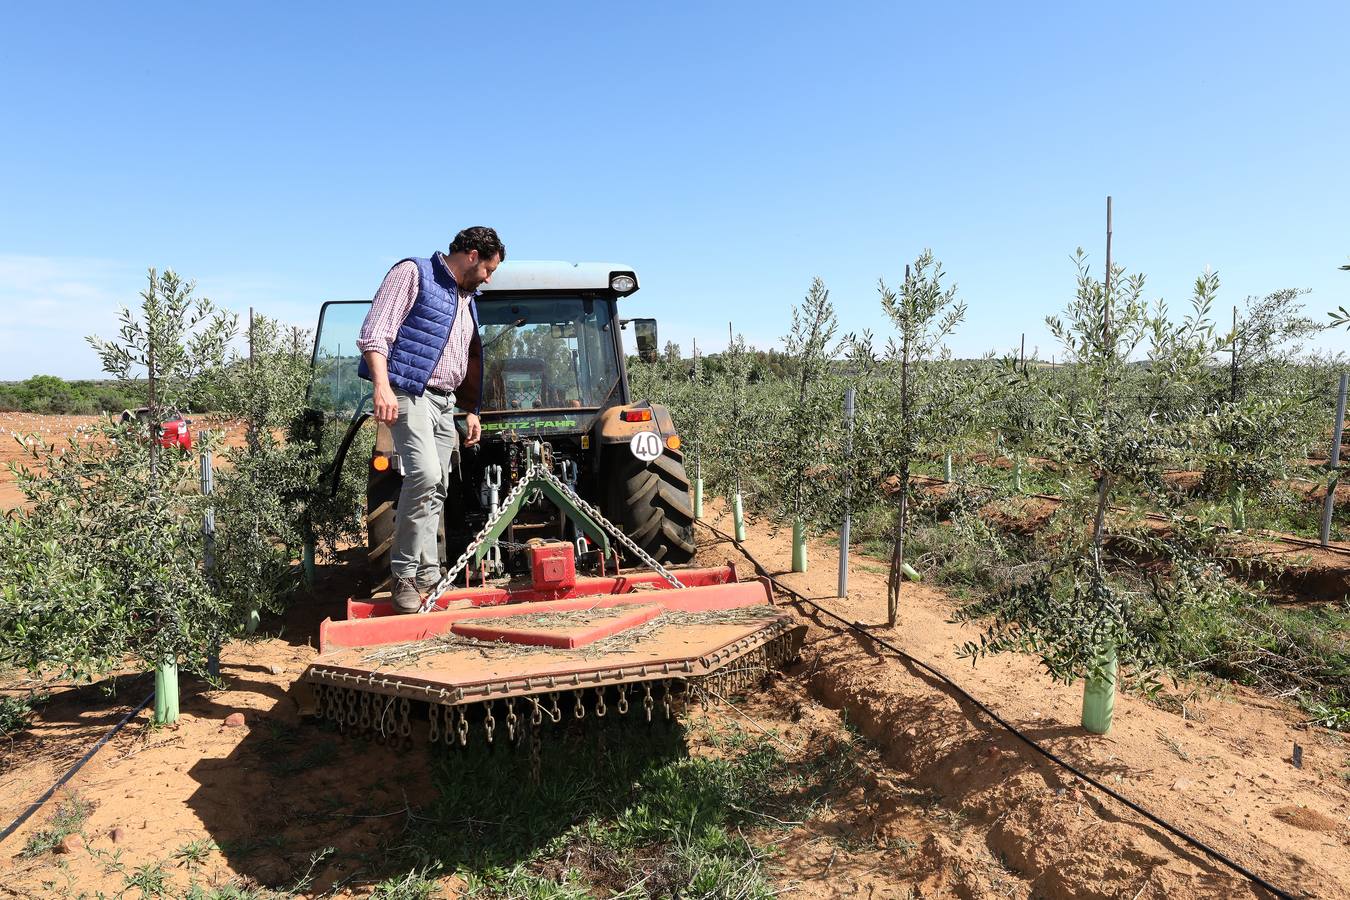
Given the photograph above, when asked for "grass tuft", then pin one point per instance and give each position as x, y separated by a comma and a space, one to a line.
68, 819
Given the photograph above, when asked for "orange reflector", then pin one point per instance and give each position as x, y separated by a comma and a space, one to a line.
379, 463
636, 415
673, 442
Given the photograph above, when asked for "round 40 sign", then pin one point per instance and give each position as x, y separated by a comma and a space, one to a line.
646, 445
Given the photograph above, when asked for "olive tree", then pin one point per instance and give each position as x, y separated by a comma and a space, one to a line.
262, 492
803, 462
895, 427
105, 560
1121, 423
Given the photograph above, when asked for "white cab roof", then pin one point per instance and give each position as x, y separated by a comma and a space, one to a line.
551, 275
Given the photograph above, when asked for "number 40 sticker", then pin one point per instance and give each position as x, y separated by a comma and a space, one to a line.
646, 445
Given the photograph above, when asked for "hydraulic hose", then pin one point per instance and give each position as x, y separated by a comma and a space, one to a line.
862, 630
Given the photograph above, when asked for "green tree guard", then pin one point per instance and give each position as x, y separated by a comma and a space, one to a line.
251, 623
738, 517
1237, 513
698, 497
947, 468
166, 693
798, 545
910, 572
1017, 473
1099, 695
307, 561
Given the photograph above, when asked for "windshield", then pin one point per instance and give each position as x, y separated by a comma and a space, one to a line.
546, 353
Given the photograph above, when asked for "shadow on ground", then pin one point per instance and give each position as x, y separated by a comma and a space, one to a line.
296, 791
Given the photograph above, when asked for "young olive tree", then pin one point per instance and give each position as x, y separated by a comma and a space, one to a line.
803, 464
262, 492
1120, 426
732, 428
1262, 418
105, 562
924, 313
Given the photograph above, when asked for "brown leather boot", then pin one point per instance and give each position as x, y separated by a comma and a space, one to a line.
407, 598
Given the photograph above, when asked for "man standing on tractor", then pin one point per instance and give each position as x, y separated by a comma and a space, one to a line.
421, 349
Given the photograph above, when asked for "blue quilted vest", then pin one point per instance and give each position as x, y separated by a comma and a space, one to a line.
422, 337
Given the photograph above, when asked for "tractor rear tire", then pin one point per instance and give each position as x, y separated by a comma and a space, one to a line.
651, 503
382, 490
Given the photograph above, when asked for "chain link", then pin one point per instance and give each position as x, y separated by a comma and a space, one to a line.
614, 530
537, 471
450, 576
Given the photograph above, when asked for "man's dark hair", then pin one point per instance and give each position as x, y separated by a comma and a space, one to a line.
480, 238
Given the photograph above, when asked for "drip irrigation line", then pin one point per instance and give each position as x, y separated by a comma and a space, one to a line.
37, 804
861, 629
1156, 517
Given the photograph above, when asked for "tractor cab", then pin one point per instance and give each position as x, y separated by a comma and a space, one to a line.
553, 373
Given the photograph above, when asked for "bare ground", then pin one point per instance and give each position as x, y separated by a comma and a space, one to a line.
946, 805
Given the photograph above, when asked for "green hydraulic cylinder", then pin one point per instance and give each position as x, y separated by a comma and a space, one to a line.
798, 545
166, 693
1099, 695
738, 517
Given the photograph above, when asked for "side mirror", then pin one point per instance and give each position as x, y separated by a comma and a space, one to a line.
647, 344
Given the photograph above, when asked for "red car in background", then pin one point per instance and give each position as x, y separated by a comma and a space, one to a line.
173, 431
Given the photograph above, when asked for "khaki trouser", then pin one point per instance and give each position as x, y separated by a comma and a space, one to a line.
425, 439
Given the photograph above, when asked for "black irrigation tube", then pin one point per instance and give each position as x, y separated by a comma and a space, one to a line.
1006, 725
37, 804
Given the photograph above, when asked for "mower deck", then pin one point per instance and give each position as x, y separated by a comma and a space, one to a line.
510, 650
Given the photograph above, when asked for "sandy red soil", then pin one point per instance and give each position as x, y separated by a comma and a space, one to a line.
949, 804
18, 430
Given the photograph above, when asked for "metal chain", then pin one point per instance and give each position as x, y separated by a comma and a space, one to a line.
615, 531
458, 567
537, 471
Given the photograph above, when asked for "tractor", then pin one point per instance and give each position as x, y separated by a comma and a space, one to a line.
554, 373
573, 513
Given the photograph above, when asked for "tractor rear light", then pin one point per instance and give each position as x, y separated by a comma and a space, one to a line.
673, 442
636, 415
379, 462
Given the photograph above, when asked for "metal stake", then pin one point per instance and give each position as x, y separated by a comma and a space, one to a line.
848, 490
208, 483
1334, 462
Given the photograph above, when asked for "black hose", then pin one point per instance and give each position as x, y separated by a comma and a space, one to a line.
37, 804
1009, 727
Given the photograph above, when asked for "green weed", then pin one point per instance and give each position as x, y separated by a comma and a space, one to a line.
68, 819
194, 853
410, 886
16, 712
151, 880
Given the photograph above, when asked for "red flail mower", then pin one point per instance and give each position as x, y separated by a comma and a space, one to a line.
506, 661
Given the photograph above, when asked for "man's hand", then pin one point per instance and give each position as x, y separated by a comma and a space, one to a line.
386, 404
474, 428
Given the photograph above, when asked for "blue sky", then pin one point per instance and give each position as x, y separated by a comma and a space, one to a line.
286, 154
